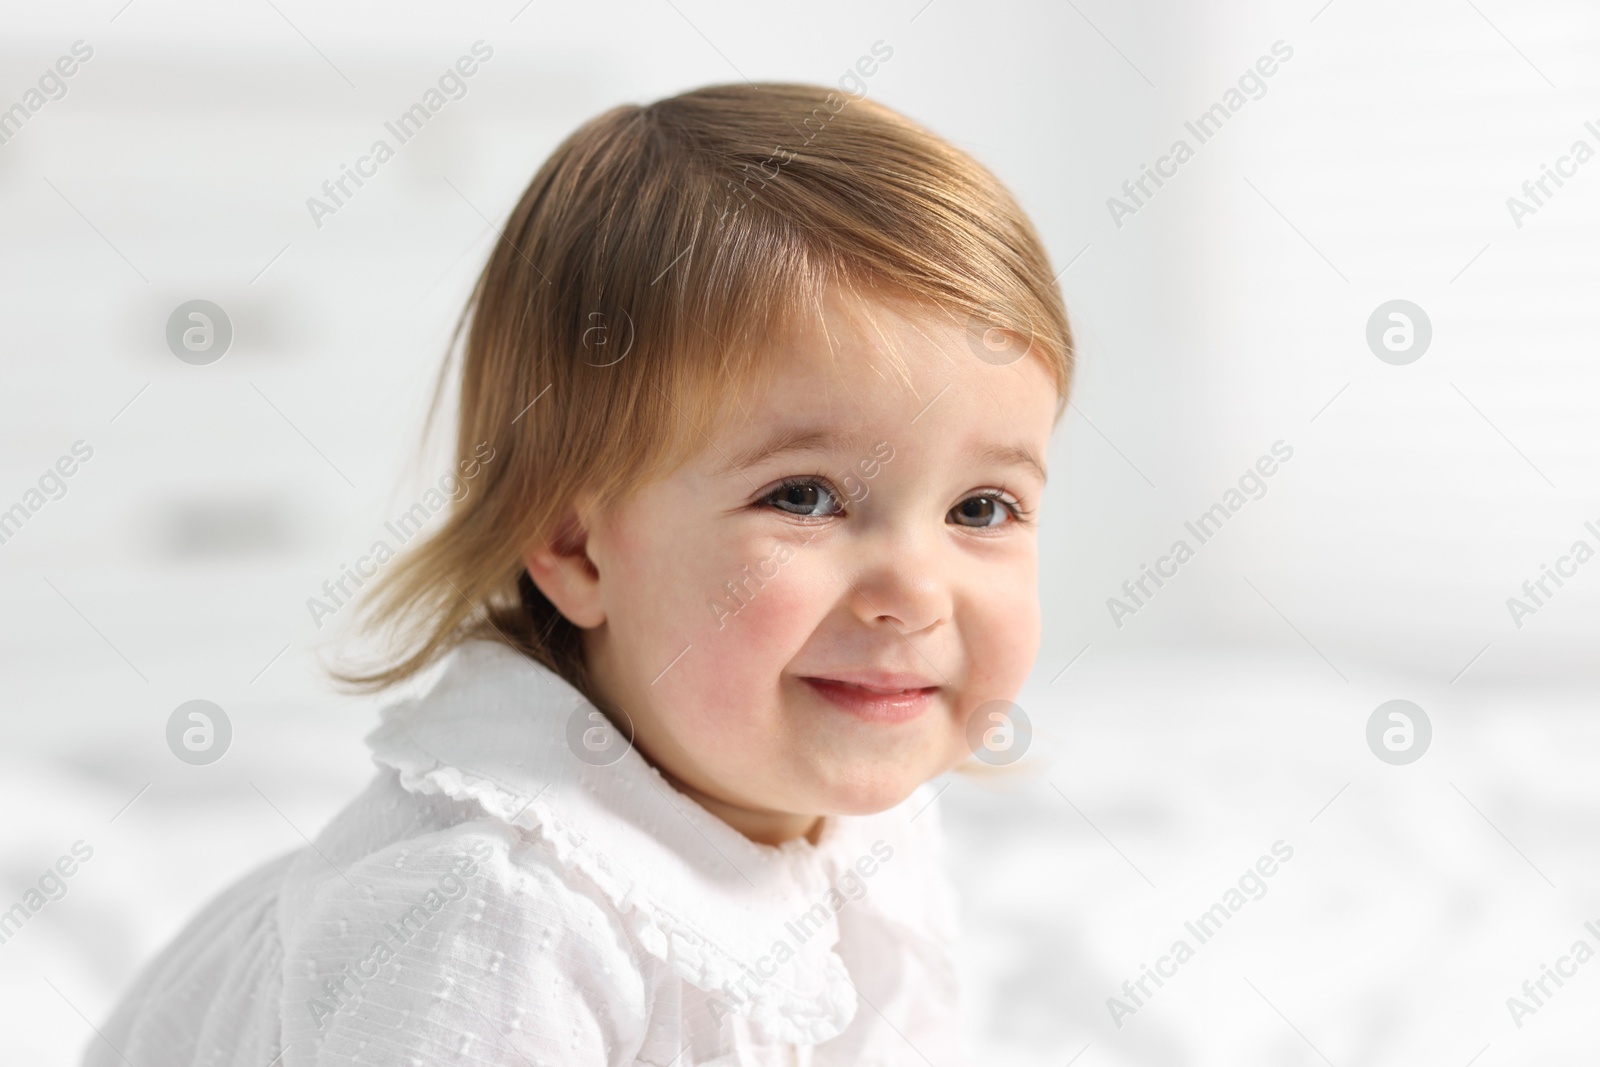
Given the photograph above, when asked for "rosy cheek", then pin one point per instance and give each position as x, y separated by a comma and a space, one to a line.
730, 677
755, 634
1003, 643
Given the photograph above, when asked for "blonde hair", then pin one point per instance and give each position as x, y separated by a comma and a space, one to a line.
635, 291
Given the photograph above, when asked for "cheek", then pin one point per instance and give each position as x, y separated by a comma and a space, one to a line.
742, 610
1001, 631
752, 619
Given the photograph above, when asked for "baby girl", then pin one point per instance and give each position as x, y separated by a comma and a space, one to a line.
768, 375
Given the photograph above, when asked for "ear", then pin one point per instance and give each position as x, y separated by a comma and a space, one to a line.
565, 574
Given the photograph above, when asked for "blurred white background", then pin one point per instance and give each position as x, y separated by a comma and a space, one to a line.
1228, 313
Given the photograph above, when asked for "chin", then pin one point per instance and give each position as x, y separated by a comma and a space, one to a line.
867, 794
870, 783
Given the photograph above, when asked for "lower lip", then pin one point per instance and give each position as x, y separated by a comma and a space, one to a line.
873, 706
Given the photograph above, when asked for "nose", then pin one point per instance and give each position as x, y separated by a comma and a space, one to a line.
902, 583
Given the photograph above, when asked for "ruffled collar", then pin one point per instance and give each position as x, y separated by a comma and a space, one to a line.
698, 895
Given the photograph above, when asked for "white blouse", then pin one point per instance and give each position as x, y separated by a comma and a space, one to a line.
492, 898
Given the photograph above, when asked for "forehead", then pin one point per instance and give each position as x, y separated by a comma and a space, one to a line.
858, 373
856, 353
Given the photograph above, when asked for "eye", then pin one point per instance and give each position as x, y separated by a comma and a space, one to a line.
807, 497
987, 509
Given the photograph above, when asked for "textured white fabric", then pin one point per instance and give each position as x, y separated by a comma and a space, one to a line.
493, 899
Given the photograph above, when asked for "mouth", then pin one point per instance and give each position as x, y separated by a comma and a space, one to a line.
874, 703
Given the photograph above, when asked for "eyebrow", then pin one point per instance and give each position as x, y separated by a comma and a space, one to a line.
1014, 456
786, 442
806, 439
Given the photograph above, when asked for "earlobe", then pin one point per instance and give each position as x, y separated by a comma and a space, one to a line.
565, 574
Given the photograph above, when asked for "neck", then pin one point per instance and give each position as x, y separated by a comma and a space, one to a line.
762, 827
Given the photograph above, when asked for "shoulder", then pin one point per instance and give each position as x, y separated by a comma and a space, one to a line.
458, 927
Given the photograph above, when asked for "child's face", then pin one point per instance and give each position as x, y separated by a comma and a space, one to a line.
892, 552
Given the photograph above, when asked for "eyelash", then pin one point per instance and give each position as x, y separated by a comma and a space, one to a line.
1020, 514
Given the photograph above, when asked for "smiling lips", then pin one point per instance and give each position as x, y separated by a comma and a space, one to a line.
887, 699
